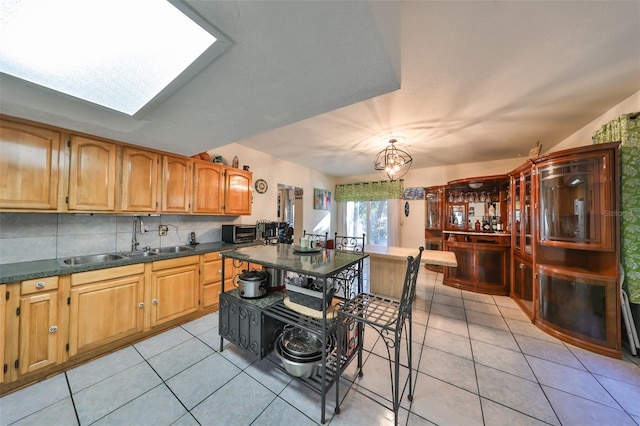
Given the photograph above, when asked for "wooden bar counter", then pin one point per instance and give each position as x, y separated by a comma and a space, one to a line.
388, 266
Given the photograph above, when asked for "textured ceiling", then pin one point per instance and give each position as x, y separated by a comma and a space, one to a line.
325, 84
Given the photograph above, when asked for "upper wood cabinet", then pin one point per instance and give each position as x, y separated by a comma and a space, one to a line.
237, 199
92, 175
176, 184
28, 167
139, 180
208, 188
576, 202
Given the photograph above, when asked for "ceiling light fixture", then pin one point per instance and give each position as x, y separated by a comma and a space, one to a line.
393, 163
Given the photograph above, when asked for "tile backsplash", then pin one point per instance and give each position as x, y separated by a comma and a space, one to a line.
37, 236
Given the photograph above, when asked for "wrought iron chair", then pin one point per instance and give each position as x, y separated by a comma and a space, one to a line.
346, 243
388, 316
321, 239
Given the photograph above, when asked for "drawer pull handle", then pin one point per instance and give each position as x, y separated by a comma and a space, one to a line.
40, 284
219, 271
141, 305
53, 329
154, 301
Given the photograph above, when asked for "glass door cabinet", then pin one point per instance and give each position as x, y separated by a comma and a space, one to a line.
577, 297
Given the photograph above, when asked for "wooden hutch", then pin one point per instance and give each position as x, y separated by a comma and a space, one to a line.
557, 253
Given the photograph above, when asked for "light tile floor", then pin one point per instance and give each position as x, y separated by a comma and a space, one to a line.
478, 361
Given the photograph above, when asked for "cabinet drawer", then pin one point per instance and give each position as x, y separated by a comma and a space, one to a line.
106, 274
39, 285
173, 263
215, 255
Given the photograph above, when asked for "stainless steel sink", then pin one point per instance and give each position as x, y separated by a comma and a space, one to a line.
174, 249
140, 254
94, 258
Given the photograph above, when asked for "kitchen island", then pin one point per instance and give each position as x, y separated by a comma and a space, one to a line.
329, 268
388, 265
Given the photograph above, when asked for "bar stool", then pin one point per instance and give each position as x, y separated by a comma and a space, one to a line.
388, 317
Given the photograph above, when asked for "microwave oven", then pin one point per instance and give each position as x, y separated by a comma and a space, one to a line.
239, 233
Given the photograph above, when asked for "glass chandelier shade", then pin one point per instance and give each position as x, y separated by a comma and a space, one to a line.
393, 163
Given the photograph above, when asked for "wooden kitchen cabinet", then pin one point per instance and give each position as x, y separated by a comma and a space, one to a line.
3, 313
212, 278
237, 199
29, 167
39, 342
483, 263
139, 180
208, 188
106, 305
92, 174
176, 184
174, 288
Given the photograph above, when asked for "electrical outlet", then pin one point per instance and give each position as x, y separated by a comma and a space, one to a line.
162, 230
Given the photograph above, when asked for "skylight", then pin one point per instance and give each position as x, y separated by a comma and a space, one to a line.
119, 53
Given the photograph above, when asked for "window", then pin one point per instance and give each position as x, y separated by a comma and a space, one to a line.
369, 217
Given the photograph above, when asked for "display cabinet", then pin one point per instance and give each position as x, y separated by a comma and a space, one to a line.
576, 201
475, 230
576, 248
434, 207
522, 228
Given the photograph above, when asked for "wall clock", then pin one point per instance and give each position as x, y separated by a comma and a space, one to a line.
261, 186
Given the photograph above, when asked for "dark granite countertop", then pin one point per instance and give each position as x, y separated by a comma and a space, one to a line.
323, 264
12, 272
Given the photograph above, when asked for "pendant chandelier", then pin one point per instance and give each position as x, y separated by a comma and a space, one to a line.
393, 163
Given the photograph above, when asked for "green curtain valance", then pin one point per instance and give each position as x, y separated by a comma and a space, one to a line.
370, 191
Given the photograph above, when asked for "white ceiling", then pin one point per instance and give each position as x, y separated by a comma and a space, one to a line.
326, 83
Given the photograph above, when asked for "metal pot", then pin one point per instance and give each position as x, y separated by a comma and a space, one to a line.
252, 284
276, 278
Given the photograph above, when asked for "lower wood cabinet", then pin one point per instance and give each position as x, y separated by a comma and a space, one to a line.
580, 308
212, 278
3, 313
522, 286
34, 336
106, 305
483, 264
174, 288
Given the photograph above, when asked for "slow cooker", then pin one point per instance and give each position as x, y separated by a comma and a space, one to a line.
252, 284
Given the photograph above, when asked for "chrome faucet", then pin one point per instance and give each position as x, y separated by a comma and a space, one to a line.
134, 237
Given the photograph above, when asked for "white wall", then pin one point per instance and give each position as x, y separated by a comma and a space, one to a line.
583, 136
275, 171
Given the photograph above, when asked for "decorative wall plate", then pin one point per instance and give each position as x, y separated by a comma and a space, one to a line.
261, 186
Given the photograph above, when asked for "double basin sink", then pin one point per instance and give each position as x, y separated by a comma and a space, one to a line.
102, 258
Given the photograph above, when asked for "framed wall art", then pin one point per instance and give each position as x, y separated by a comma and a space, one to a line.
321, 199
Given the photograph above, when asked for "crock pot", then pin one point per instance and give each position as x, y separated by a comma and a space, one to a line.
252, 284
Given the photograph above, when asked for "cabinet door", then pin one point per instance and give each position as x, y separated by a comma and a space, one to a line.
583, 307
139, 180
92, 175
175, 293
576, 202
237, 192
212, 281
208, 188
28, 167
229, 318
3, 312
433, 207
522, 284
105, 312
176, 184
39, 343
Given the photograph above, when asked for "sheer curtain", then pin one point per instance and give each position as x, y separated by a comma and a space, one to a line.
393, 225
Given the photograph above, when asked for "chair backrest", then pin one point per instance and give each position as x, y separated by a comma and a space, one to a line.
321, 239
346, 243
409, 288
